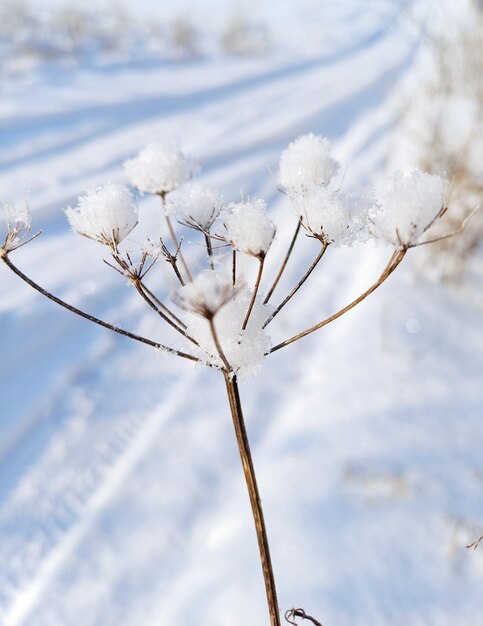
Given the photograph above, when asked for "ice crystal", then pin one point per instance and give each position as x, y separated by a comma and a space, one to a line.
410, 203
307, 160
195, 205
160, 168
248, 229
18, 226
106, 214
335, 217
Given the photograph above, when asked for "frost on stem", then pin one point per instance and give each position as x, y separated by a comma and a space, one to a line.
409, 205
19, 224
334, 217
194, 205
307, 160
106, 214
212, 299
248, 229
160, 168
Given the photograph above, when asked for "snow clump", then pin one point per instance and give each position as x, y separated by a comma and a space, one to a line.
211, 296
19, 224
248, 229
335, 217
207, 294
106, 214
410, 204
307, 160
195, 205
160, 168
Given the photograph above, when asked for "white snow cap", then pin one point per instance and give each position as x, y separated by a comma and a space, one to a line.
336, 217
208, 292
195, 205
409, 203
106, 214
244, 349
307, 160
18, 226
248, 229
160, 168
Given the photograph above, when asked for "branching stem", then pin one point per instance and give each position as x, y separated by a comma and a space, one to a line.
172, 234
298, 285
91, 318
395, 260
255, 291
284, 263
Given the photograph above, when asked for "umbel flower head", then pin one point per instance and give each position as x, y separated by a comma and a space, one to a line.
307, 160
106, 214
211, 297
248, 229
410, 204
195, 205
334, 217
207, 294
18, 227
160, 168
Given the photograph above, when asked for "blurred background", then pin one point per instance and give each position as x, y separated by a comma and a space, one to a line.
121, 494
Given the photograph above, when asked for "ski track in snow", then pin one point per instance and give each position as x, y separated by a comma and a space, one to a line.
122, 500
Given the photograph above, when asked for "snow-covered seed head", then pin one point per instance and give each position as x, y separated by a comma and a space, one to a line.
245, 350
207, 294
106, 214
248, 228
410, 204
334, 217
18, 227
160, 168
307, 160
195, 205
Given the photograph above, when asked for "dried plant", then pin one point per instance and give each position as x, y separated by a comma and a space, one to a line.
220, 319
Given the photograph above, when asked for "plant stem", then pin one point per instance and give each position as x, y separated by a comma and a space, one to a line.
298, 285
233, 269
141, 291
284, 263
209, 249
255, 291
396, 258
162, 306
172, 234
91, 318
251, 481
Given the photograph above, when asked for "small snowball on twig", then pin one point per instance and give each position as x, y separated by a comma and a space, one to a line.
160, 168
334, 217
195, 205
307, 160
410, 204
105, 214
248, 229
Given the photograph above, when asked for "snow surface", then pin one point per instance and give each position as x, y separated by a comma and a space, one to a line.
121, 495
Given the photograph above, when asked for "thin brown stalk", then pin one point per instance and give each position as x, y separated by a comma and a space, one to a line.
172, 234
152, 305
91, 318
284, 263
163, 307
209, 250
396, 258
298, 285
255, 291
233, 271
216, 340
254, 495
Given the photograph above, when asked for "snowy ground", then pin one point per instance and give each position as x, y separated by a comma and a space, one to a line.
121, 495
